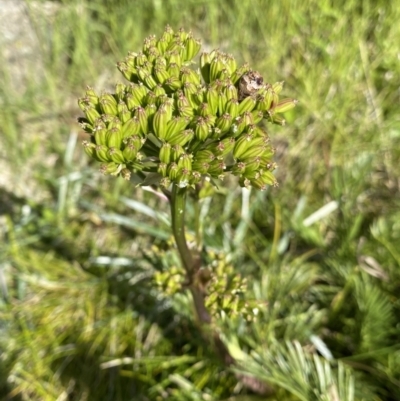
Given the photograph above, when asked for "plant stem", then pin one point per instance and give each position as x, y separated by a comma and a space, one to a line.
190, 261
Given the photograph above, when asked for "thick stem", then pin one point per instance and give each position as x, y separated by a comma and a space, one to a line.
191, 263
178, 202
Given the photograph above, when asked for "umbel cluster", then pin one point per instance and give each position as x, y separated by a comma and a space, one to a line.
175, 124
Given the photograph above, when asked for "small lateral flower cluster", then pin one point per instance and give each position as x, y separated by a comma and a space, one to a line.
176, 124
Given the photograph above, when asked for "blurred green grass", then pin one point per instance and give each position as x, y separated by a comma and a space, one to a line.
81, 317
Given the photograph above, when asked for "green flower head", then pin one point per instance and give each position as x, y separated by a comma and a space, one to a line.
176, 124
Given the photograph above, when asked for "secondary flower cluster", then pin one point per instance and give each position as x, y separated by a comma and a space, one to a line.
173, 124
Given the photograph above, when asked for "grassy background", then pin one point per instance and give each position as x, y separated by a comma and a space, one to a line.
84, 314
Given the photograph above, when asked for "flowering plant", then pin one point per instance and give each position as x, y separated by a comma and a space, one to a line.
174, 127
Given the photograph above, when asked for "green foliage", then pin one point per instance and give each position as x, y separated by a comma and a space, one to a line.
86, 312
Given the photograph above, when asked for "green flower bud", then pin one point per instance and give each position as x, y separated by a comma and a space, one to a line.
277, 87
134, 140
238, 126
183, 178
192, 93
217, 168
165, 153
85, 125
192, 47
252, 151
159, 91
162, 169
211, 97
140, 60
150, 82
177, 124
252, 165
114, 138
101, 153
90, 149
139, 92
224, 123
110, 168
232, 108
265, 179
165, 182
100, 136
188, 75
266, 156
185, 162
160, 121
277, 119
162, 44
116, 155
204, 156
224, 74
130, 59
140, 114
168, 104
123, 113
182, 35
150, 98
216, 66
204, 109
247, 104
205, 61
230, 63
152, 53
150, 111
100, 123
129, 153
181, 99
91, 97
161, 74
210, 120
201, 167
173, 170
172, 84
239, 168
174, 57
120, 91
181, 137
128, 72
186, 111
176, 152
230, 91
238, 73
176, 46
131, 127
114, 122
161, 62
91, 114
131, 102
126, 174
241, 145
168, 33
283, 106
222, 101
173, 70
256, 116
201, 129
222, 148
150, 41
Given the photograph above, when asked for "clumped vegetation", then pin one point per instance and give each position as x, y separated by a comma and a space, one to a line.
305, 278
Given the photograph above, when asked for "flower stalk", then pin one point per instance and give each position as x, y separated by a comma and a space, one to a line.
190, 261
